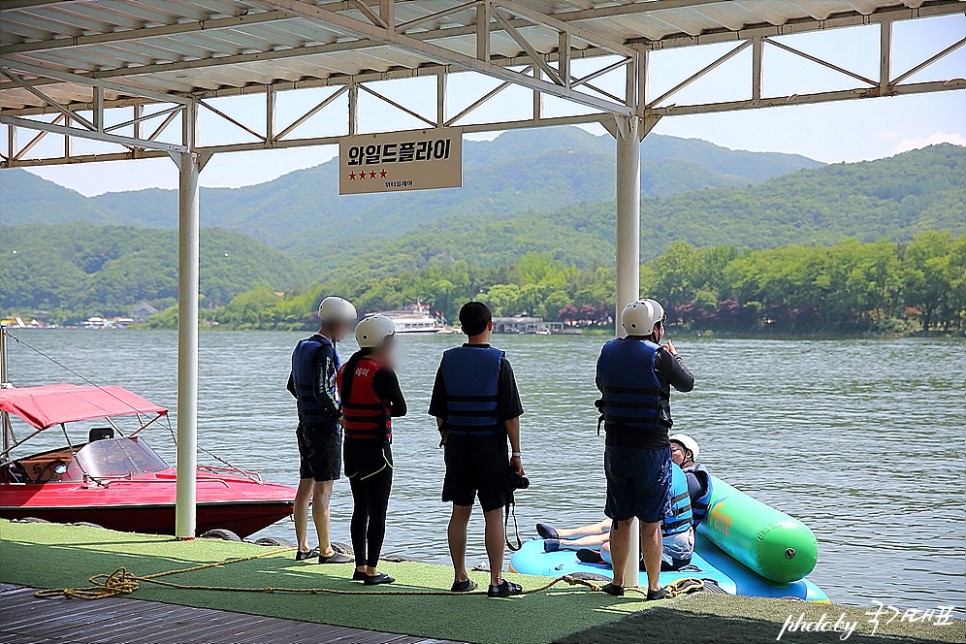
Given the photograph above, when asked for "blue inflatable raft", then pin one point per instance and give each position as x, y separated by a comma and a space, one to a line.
743, 546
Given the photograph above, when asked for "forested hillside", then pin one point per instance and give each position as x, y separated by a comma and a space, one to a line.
892, 198
518, 172
878, 287
389, 256
76, 270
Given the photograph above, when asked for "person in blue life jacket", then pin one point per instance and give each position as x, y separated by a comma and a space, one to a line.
684, 453
592, 542
477, 409
315, 367
635, 375
370, 400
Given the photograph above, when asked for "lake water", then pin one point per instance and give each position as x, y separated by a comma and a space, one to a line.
863, 440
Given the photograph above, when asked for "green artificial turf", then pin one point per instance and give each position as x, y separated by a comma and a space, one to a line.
57, 556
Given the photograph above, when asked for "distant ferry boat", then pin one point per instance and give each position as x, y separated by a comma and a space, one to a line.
416, 319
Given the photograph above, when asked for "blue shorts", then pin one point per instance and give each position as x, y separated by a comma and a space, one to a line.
638, 483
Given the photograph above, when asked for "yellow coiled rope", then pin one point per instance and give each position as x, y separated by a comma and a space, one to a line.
124, 582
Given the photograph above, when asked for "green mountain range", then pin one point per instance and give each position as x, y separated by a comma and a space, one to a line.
892, 198
519, 171
546, 191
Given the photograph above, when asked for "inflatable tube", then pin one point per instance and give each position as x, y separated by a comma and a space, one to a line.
709, 563
532, 560
776, 546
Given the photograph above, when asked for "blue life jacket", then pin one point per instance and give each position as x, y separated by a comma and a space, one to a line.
471, 376
700, 504
631, 393
311, 411
680, 518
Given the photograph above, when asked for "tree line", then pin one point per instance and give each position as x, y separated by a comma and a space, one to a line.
849, 287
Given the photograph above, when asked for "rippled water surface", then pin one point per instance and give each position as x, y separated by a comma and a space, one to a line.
863, 440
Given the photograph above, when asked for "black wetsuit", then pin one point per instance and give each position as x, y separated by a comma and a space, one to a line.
368, 465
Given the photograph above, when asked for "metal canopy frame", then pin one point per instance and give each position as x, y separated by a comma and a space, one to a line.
127, 72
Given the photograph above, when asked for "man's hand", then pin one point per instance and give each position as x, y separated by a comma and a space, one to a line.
670, 348
517, 464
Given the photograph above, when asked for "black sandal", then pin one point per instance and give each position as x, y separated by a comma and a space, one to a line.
613, 589
302, 556
466, 586
505, 589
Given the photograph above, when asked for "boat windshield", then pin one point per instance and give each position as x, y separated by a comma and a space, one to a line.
119, 457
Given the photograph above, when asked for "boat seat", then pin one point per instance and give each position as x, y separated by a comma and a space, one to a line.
99, 434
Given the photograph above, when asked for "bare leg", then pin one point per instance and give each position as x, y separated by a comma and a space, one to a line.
495, 541
595, 528
620, 545
456, 534
586, 541
652, 545
321, 514
301, 513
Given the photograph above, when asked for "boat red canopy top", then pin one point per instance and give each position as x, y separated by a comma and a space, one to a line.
49, 405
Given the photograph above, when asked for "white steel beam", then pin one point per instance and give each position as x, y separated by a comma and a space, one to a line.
31, 124
437, 53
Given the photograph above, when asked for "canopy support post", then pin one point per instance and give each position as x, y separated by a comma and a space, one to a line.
629, 131
189, 167
628, 134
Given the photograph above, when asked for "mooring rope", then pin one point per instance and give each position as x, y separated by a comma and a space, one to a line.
124, 582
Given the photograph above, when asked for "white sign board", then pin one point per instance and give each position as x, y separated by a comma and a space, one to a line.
397, 161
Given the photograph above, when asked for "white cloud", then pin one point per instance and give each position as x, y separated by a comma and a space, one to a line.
890, 135
938, 137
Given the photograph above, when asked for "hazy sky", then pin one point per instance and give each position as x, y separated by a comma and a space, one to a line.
834, 132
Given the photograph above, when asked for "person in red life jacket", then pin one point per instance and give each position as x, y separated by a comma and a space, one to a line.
370, 400
635, 375
315, 364
477, 408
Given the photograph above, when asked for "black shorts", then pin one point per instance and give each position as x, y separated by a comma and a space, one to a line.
476, 467
320, 451
638, 483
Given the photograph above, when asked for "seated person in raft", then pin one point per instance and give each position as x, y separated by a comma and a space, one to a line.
592, 541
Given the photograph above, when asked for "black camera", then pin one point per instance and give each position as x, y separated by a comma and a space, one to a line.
516, 482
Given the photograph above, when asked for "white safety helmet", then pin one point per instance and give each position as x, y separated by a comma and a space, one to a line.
337, 309
373, 331
639, 318
688, 443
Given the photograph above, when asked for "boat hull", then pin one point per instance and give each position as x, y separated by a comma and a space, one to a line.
147, 503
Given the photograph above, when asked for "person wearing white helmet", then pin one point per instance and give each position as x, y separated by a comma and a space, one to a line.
635, 375
315, 367
371, 398
684, 453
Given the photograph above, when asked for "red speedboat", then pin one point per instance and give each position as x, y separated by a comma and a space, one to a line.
114, 479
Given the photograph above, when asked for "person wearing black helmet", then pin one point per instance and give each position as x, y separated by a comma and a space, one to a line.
477, 409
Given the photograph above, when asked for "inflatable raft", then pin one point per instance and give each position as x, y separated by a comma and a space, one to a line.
743, 546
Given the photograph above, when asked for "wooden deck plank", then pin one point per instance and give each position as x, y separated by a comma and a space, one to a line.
120, 620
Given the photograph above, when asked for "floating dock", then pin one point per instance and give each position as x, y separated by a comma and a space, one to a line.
260, 594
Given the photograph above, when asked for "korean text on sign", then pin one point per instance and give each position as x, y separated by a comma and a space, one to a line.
405, 152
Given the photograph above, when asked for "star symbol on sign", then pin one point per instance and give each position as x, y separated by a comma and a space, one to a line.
372, 175
362, 176
352, 176
382, 174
